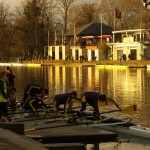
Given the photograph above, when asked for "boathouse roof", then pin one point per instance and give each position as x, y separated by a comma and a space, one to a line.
91, 29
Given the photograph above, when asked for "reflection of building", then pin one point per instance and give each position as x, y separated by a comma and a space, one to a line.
128, 86
135, 42
83, 41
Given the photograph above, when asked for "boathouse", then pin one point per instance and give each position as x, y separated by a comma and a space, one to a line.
87, 41
135, 42
83, 41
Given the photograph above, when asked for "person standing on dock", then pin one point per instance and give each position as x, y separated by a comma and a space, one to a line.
11, 77
92, 98
4, 116
65, 99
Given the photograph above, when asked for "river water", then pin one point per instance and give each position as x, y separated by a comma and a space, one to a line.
127, 86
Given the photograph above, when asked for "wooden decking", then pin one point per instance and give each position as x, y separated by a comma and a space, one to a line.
55, 131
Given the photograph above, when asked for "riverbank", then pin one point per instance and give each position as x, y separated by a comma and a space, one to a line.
102, 63
131, 63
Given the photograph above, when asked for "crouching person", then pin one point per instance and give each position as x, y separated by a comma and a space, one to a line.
34, 103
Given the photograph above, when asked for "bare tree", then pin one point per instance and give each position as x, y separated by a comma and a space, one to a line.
65, 5
82, 14
35, 21
88, 12
133, 15
6, 31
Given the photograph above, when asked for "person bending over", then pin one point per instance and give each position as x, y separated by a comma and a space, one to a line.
64, 99
31, 91
34, 103
92, 98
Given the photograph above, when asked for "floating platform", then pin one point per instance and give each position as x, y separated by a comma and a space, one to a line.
53, 132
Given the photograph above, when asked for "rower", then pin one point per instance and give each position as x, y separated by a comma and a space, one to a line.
65, 99
31, 91
92, 98
33, 102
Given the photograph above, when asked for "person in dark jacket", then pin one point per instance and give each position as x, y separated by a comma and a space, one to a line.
65, 99
31, 91
34, 103
92, 98
11, 77
12, 98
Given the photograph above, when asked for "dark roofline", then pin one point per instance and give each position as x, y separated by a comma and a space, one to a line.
91, 29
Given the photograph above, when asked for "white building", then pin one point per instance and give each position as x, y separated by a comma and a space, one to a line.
86, 43
135, 42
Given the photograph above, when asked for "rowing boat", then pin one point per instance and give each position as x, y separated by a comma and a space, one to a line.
126, 128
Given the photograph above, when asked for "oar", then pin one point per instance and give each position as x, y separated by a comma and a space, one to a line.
56, 119
67, 117
113, 101
124, 110
49, 116
39, 113
85, 122
64, 125
47, 122
22, 111
129, 109
40, 118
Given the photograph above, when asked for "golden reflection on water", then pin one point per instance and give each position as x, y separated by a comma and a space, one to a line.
126, 86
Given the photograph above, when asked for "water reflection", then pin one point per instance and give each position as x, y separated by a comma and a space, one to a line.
126, 86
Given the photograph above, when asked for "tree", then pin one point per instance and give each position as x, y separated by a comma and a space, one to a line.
87, 13
133, 14
64, 8
34, 23
82, 14
6, 32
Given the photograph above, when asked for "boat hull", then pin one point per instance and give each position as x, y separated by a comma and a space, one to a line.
135, 130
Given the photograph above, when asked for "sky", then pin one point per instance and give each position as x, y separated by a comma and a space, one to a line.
13, 3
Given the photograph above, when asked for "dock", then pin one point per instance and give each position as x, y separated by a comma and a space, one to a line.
58, 135
69, 134
54, 135
48, 131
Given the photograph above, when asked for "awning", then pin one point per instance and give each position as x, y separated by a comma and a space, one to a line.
91, 47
